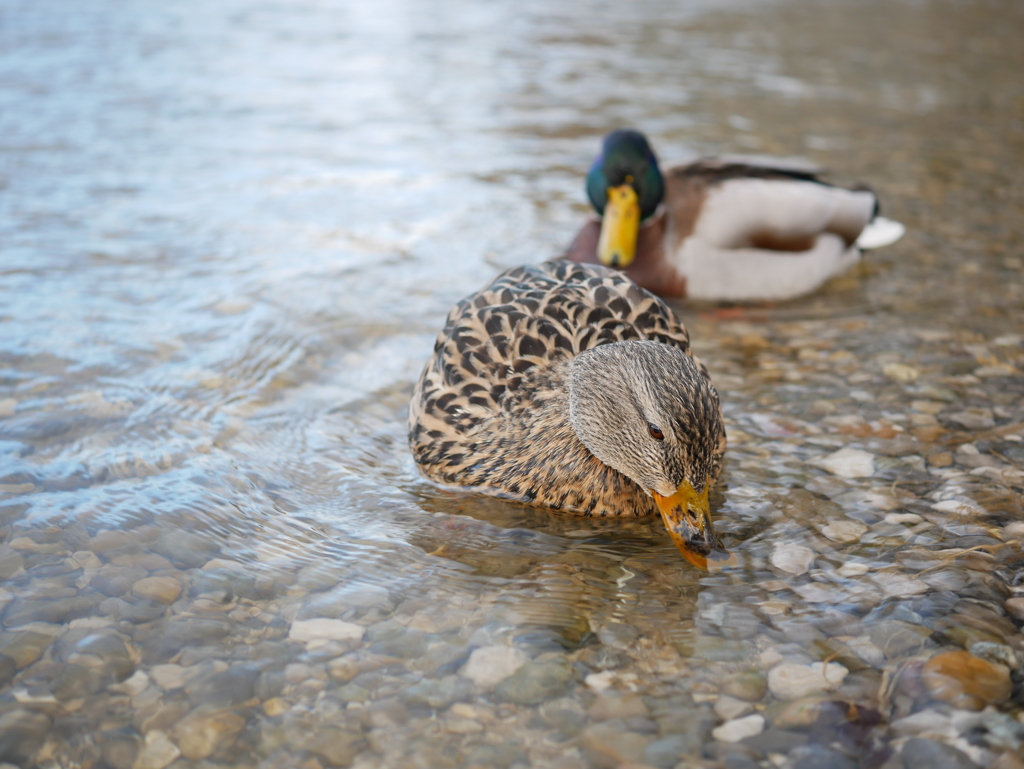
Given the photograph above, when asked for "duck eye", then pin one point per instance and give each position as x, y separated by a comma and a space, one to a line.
657, 434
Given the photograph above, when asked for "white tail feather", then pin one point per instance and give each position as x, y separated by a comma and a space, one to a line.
880, 232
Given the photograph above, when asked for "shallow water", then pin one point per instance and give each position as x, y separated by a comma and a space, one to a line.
229, 235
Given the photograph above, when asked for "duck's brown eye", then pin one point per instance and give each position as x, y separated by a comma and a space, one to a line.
657, 434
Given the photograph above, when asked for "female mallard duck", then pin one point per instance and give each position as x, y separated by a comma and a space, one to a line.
569, 386
720, 230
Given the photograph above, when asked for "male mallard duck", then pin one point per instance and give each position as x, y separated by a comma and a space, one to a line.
721, 230
568, 386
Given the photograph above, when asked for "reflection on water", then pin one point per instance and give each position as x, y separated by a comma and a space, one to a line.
230, 233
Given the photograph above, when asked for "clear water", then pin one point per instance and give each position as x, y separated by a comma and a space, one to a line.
228, 235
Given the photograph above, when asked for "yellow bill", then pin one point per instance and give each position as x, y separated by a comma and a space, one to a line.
619, 227
687, 517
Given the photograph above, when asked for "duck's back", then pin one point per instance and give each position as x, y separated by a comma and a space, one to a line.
494, 390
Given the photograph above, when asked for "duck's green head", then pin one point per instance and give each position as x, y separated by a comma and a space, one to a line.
625, 186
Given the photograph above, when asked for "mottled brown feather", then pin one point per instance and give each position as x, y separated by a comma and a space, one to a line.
490, 411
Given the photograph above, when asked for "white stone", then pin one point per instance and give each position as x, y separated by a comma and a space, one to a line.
8, 407
844, 531
962, 507
791, 681
490, 665
132, 686
849, 463
729, 708
899, 584
853, 569
739, 728
157, 753
906, 519
322, 629
168, 677
791, 558
863, 647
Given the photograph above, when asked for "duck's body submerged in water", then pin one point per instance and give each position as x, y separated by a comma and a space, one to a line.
568, 386
723, 230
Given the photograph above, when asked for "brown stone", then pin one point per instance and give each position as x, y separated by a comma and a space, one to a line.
966, 681
201, 733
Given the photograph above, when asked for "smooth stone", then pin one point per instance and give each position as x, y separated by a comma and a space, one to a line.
822, 758
729, 708
1015, 607
163, 590
792, 681
11, 562
21, 735
965, 681
183, 633
668, 751
335, 744
791, 558
923, 752
275, 706
410, 644
138, 613
607, 707
489, 666
536, 682
973, 419
25, 647
608, 747
897, 638
442, 659
564, 714
324, 629
157, 751
775, 741
185, 549
739, 728
849, 463
55, 611
119, 749
224, 688
844, 532
438, 694
496, 756
199, 734
750, 686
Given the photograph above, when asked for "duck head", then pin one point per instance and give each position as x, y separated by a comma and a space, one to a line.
646, 410
625, 187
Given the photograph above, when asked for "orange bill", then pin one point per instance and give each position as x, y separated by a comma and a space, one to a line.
687, 517
619, 227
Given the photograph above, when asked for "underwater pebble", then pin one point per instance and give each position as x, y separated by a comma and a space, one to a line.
323, 629
901, 372
924, 752
739, 728
490, 665
844, 531
791, 681
163, 590
966, 681
790, 558
199, 734
157, 751
536, 682
849, 463
750, 686
728, 708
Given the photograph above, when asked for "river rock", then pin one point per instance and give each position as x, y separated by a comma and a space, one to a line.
608, 747
965, 681
201, 733
324, 629
923, 752
791, 681
1015, 607
21, 735
844, 532
791, 558
24, 648
973, 419
739, 728
536, 682
157, 751
11, 562
163, 590
489, 666
849, 463
608, 706
750, 685
729, 708
224, 688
